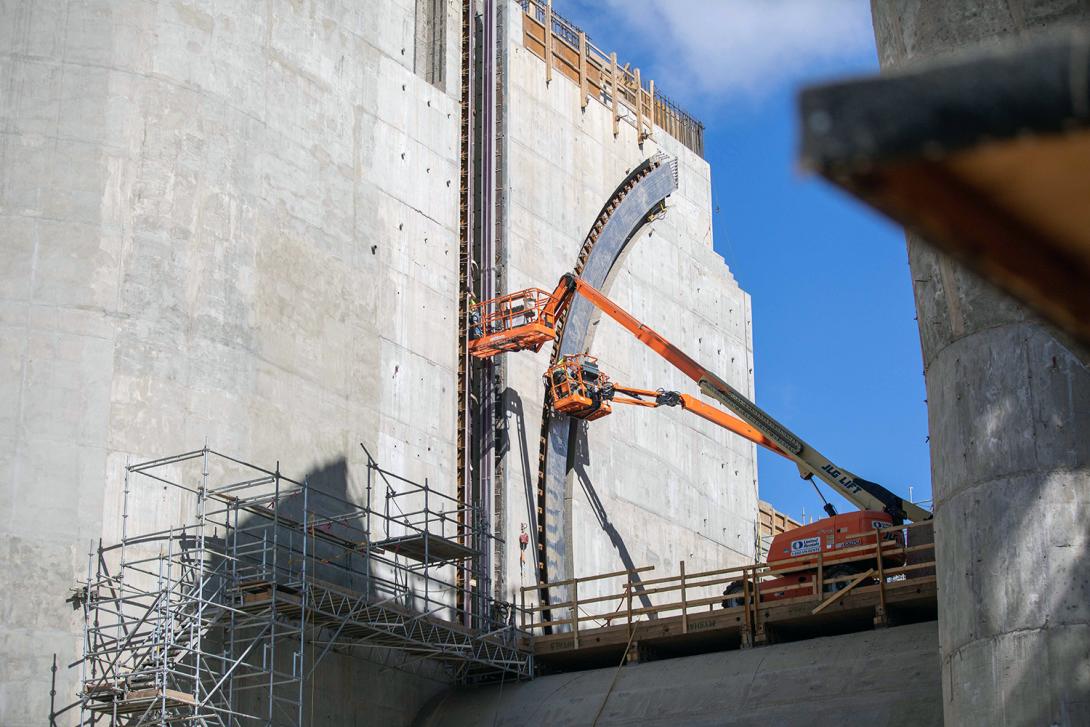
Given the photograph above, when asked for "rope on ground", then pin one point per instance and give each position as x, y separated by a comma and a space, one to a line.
616, 673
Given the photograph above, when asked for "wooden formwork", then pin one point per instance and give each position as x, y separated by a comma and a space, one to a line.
568, 51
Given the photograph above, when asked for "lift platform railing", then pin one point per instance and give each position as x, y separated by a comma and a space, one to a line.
576, 386
513, 322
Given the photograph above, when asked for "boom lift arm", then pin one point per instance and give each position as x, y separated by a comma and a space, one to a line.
695, 406
862, 493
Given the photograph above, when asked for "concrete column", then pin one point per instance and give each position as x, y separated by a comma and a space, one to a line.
1009, 415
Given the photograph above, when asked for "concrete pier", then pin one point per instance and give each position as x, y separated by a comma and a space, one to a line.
1009, 413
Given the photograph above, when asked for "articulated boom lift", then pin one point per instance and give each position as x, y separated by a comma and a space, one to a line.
527, 319
578, 388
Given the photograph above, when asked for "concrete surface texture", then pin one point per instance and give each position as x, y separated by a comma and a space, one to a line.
567, 436
220, 221
1009, 416
887, 678
237, 223
648, 487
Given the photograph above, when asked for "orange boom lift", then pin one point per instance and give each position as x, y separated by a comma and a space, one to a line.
528, 319
577, 387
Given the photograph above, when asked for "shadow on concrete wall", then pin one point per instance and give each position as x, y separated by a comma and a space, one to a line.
338, 528
580, 453
513, 408
1037, 618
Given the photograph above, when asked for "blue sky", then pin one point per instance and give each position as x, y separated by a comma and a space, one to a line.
836, 345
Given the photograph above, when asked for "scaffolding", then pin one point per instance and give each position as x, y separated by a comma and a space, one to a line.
222, 618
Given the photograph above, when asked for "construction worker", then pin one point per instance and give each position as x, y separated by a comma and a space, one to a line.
474, 319
524, 541
528, 308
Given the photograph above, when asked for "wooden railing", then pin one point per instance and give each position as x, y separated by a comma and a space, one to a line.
620, 88
879, 566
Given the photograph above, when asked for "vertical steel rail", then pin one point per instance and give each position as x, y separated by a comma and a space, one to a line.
196, 626
304, 590
230, 646
124, 520
367, 531
501, 87
87, 648
465, 293
270, 648
165, 626
486, 265
427, 548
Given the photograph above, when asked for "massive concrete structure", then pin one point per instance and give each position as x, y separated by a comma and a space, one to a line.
645, 487
839, 680
1010, 444
219, 222
239, 225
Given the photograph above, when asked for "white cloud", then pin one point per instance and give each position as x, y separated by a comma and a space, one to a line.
742, 48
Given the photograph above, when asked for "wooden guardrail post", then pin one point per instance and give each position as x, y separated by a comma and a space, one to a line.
575, 613
614, 92
759, 636
651, 107
747, 619
583, 91
880, 612
548, 41
684, 603
628, 594
639, 108
819, 584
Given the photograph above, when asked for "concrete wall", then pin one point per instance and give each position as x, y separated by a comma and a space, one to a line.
888, 677
1009, 417
237, 224
650, 487
221, 221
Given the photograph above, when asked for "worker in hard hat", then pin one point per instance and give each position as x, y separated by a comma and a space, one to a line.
475, 330
524, 540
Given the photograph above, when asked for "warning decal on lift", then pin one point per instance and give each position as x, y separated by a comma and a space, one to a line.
803, 546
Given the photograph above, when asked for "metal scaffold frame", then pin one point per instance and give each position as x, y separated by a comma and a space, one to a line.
223, 618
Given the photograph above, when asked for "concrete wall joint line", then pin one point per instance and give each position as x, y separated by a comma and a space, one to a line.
1006, 476
970, 338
